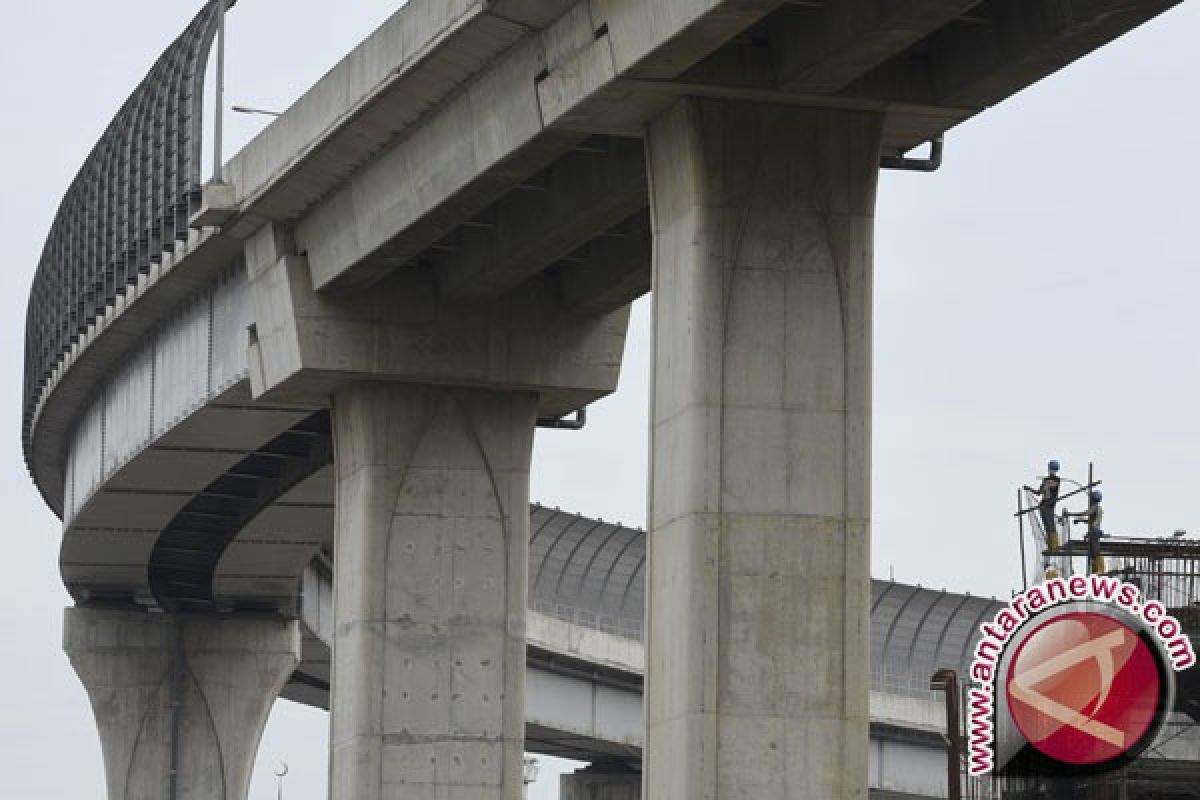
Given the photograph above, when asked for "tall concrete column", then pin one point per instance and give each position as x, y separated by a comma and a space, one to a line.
231, 671
429, 593
758, 588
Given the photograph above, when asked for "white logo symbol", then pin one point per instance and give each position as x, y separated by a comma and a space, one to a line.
1101, 651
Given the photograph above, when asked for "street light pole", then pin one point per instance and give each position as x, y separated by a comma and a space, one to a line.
280, 774
219, 107
529, 775
252, 110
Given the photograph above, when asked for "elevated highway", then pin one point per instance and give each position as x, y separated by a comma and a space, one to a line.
342, 349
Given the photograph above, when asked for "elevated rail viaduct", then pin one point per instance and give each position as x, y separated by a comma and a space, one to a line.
342, 349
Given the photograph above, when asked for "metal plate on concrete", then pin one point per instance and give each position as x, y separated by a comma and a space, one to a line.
235, 428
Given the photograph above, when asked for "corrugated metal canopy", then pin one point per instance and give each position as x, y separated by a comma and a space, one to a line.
916, 631
587, 570
593, 572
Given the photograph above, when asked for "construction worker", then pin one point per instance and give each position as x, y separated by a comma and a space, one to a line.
1094, 519
1047, 493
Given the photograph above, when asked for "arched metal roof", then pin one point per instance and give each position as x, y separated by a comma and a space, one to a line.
587, 570
593, 573
916, 631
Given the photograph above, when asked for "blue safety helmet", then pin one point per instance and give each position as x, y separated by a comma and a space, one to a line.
1097, 495
1053, 465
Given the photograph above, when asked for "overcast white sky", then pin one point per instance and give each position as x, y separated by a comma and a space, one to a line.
1035, 298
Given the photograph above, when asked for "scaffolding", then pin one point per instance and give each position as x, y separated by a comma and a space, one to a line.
1166, 569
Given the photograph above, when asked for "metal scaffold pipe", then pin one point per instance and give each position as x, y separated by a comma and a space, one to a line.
219, 104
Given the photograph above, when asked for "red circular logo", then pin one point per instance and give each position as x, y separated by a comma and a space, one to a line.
1083, 688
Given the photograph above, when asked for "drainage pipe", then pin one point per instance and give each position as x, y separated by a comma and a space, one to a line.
946, 680
564, 423
929, 164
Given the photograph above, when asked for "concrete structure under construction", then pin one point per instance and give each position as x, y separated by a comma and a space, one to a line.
325, 369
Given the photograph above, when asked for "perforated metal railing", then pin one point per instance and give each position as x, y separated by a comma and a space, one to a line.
129, 202
1166, 570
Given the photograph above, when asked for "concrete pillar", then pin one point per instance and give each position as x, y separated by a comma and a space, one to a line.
232, 670
587, 785
758, 588
429, 592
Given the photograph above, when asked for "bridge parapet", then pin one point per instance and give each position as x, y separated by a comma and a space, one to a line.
129, 204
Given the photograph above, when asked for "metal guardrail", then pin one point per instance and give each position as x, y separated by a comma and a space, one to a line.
618, 626
909, 685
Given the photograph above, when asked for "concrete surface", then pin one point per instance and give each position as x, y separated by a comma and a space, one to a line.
757, 647
428, 690
234, 668
307, 344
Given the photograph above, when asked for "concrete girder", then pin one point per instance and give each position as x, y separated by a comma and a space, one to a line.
588, 95
822, 50
309, 344
534, 14
500, 128
468, 153
612, 271
544, 220
942, 62
1004, 46
660, 40
402, 71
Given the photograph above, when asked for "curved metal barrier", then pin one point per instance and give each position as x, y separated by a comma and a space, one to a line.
130, 201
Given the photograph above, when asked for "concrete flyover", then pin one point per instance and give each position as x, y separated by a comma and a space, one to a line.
341, 352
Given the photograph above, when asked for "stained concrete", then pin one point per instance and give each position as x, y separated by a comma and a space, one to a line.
757, 679
233, 669
430, 582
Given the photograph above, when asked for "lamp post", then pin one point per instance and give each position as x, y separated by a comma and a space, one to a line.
253, 110
529, 774
218, 126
